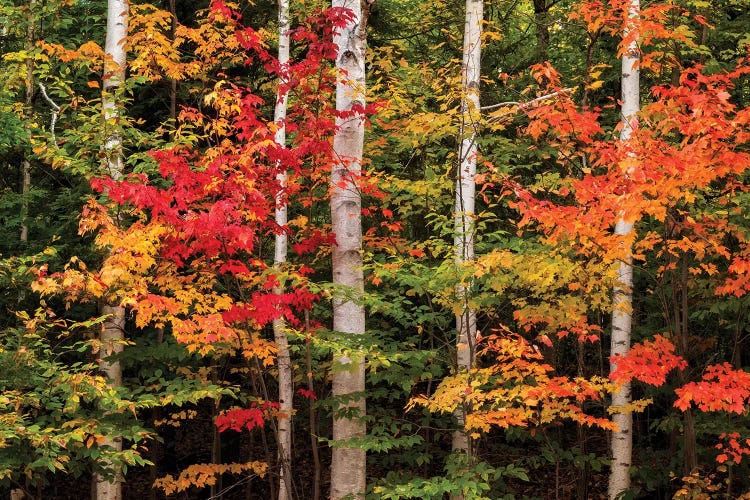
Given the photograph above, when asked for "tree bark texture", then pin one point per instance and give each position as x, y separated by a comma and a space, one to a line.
541, 19
622, 302
113, 327
466, 322
286, 388
112, 80
348, 474
111, 338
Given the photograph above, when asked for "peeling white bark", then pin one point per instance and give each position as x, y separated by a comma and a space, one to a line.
286, 388
111, 338
112, 80
622, 302
348, 467
114, 326
464, 223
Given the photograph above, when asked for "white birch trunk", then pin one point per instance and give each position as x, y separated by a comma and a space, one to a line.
114, 326
111, 338
348, 474
112, 80
466, 322
622, 302
286, 389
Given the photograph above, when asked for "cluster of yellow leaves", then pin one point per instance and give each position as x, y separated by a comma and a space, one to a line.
564, 289
202, 475
159, 46
697, 487
175, 419
517, 389
89, 54
123, 276
410, 88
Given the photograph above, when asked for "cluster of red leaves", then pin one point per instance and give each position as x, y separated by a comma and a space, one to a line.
313, 241
650, 362
734, 449
218, 203
238, 419
722, 388
306, 393
738, 281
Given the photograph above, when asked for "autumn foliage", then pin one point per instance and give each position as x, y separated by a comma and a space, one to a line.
182, 241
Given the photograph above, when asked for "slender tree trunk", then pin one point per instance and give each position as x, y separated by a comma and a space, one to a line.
622, 302
286, 387
466, 321
111, 338
216, 458
313, 419
19, 493
28, 112
113, 327
172, 81
113, 78
682, 332
348, 467
541, 19
582, 481
155, 448
25, 190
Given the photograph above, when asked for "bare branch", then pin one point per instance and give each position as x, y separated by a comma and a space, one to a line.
55, 111
522, 105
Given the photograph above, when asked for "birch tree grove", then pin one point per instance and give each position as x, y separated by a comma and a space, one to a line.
622, 297
284, 362
113, 328
464, 224
348, 467
228, 271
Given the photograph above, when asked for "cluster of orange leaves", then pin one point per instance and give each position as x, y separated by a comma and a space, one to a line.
203, 475
650, 362
516, 389
722, 388
691, 138
734, 449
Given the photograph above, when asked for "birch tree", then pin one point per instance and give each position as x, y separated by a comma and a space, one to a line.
466, 321
622, 303
284, 422
349, 463
114, 326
